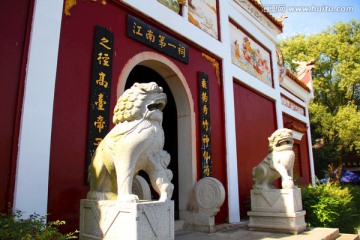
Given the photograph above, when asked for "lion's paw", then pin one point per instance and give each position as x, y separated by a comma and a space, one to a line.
131, 198
96, 195
287, 184
166, 192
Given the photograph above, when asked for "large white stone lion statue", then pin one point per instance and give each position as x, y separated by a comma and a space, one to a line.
135, 143
278, 163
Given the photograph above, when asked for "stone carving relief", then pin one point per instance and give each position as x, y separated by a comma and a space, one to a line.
209, 194
135, 143
278, 163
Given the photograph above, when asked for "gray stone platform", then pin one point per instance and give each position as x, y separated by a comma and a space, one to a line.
241, 232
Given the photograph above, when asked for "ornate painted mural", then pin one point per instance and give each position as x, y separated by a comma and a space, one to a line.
293, 106
172, 4
249, 55
203, 14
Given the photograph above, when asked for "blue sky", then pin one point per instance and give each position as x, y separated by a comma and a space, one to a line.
312, 16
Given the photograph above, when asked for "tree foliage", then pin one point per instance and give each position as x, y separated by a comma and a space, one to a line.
328, 205
334, 111
15, 227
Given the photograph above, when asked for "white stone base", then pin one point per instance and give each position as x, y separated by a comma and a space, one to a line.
276, 200
197, 221
293, 223
277, 210
131, 221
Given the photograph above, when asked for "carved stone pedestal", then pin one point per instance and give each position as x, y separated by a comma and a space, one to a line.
277, 210
209, 195
132, 221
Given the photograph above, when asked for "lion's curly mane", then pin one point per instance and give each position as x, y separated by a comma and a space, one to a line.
128, 106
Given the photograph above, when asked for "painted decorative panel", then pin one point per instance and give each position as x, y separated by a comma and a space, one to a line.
249, 55
293, 106
204, 15
172, 4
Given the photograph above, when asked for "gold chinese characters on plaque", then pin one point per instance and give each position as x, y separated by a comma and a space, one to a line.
205, 125
99, 111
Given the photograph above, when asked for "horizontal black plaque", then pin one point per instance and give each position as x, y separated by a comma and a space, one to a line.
156, 39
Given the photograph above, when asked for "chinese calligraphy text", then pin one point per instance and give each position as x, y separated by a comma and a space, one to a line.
205, 126
156, 39
99, 112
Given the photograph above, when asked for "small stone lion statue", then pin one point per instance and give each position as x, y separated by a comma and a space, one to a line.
278, 163
135, 143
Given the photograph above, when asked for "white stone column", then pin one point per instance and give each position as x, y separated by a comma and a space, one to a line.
32, 174
230, 129
311, 154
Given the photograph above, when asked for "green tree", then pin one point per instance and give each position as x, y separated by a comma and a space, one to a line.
334, 111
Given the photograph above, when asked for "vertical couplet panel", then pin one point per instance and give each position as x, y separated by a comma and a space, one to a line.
205, 125
100, 95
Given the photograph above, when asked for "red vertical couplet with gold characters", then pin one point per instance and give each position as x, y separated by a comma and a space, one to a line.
205, 126
101, 73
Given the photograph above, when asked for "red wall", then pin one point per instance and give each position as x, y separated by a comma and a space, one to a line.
305, 175
15, 28
255, 118
70, 119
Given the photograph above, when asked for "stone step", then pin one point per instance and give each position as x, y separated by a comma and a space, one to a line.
345, 236
240, 231
323, 233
